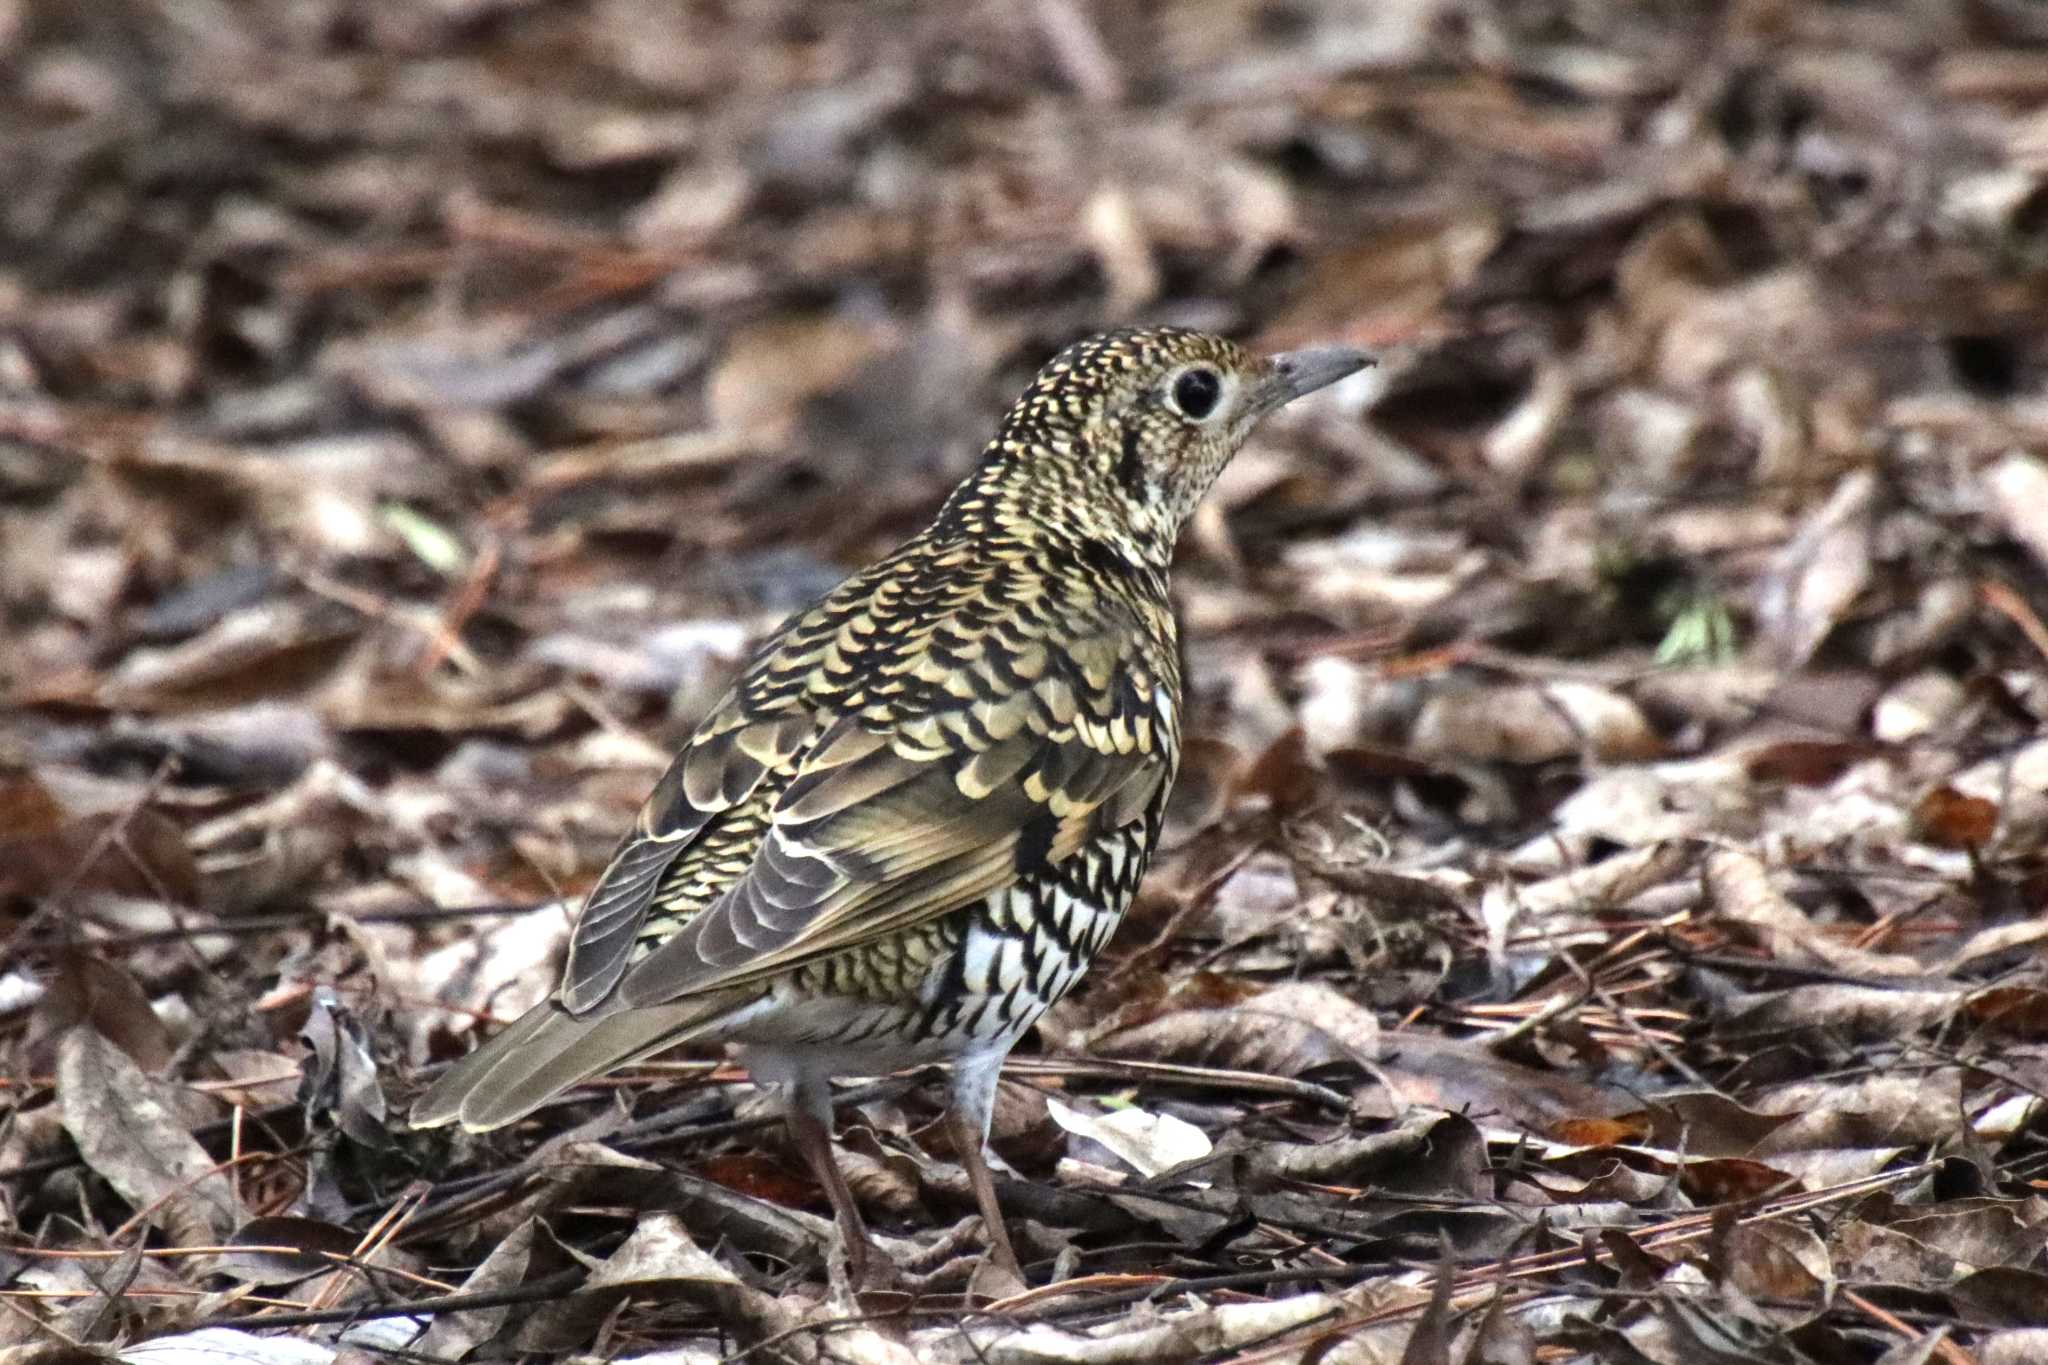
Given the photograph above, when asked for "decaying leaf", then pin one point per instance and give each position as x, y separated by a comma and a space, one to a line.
1611, 830
339, 1082
127, 1134
1285, 1030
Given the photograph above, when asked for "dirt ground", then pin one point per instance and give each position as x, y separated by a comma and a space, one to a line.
1603, 910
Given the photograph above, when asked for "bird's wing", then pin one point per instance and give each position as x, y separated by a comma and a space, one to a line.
883, 829
721, 767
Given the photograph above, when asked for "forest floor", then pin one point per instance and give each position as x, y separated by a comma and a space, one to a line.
1602, 916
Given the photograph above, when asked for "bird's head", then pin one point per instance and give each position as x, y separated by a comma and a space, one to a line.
1136, 425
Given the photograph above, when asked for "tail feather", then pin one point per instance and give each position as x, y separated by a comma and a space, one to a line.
548, 1049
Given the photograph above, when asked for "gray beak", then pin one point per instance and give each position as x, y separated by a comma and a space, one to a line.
1298, 372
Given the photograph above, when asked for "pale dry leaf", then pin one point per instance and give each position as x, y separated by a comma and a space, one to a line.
127, 1134
1532, 723
1520, 439
1639, 808
1611, 882
1870, 1250
255, 1078
1981, 1233
1813, 581
1855, 1011
228, 1346
1148, 1143
1285, 1030
2024, 1346
1739, 888
1916, 707
1183, 1335
2017, 490
504, 970
1827, 1167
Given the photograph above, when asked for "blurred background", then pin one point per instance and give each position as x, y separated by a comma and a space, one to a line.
412, 411
485, 348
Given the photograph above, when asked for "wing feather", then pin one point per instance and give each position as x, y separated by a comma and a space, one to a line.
871, 828
721, 767
899, 843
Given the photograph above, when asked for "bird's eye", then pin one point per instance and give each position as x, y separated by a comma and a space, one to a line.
1195, 392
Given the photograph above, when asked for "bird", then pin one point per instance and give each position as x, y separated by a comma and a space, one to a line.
924, 805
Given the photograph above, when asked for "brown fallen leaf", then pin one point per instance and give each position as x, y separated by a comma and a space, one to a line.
1948, 819
659, 1257
1285, 1030
453, 1335
127, 1135
1782, 1267
2011, 1011
305, 1247
89, 989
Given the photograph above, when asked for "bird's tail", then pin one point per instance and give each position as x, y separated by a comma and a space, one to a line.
549, 1049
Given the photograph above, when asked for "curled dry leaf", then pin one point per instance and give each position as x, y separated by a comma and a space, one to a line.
1531, 723
104, 996
1856, 1011
659, 1257
1820, 573
275, 650
453, 1335
1739, 888
1285, 1030
1781, 1266
1348, 1160
1182, 1334
339, 1084
1146, 1142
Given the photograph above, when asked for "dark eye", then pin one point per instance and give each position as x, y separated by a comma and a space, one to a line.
1195, 393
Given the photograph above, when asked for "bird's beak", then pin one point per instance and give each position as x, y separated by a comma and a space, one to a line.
1298, 372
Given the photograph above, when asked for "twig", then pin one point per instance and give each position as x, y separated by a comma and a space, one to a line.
536, 1291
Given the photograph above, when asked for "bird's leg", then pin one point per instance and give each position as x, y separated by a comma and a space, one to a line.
810, 1127
967, 1121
